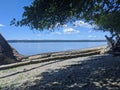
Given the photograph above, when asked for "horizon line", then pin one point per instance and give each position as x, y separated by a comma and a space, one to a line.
56, 41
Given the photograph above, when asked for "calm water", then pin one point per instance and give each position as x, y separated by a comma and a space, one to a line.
43, 47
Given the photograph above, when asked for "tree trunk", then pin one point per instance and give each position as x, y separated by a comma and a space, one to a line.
113, 45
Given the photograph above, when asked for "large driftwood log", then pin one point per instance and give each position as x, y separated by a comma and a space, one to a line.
113, 45
53, 56
7, 53
110, 42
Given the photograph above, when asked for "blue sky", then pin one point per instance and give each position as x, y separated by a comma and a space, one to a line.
10, 9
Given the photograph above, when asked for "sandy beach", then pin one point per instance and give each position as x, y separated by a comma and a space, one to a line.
95, 72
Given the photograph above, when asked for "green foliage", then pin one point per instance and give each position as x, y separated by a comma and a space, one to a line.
109, 22
45, 14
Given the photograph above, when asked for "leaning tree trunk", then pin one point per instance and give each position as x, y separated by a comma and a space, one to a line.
7, 53
113, 45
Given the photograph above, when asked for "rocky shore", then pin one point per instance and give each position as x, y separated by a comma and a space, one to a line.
83, 69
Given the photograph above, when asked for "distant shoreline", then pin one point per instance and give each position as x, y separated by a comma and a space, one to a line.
38, 41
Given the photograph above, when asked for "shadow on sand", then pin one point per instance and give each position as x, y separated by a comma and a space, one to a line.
97, 73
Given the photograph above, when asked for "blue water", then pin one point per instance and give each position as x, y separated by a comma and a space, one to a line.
43, 47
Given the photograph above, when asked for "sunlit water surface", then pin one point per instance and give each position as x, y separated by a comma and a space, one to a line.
44, 47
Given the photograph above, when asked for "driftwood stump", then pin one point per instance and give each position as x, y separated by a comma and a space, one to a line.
113, 45
7, 53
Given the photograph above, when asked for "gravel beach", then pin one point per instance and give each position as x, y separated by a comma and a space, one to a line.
97, 72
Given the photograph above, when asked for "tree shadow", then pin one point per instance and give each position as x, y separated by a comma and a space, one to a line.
26, 70
98, 73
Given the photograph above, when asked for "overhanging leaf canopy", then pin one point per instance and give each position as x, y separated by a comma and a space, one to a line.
44, 14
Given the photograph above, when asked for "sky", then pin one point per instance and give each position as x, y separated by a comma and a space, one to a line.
78, 30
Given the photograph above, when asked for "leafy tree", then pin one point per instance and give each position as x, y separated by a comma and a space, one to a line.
44, 14
109, 22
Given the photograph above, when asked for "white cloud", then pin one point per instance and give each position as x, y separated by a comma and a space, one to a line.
64, 26
82, 24
90, 31
92, 36
57, 33
1, 25
70, 31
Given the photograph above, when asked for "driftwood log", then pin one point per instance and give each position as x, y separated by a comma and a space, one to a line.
113, 45
53, 56
7, 53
